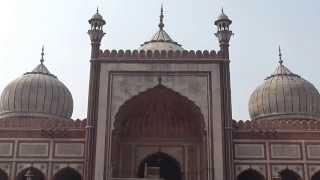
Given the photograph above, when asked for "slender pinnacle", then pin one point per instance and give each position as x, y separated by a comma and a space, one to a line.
280, 56
161, 25
42, 54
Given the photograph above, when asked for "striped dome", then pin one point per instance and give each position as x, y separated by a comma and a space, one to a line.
37, 94
285, 95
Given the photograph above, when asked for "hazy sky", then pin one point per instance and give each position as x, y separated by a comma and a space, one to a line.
259, 27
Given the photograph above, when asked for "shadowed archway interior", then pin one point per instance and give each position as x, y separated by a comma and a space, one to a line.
3, 175
67, 174
37, 174
288, 174
316, 176
169, 167
250, 174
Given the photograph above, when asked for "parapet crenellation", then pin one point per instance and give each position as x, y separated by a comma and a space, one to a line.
284, 124
142, 54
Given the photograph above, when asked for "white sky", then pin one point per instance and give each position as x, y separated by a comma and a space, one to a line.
61, 25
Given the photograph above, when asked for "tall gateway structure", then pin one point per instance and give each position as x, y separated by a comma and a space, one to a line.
160, 111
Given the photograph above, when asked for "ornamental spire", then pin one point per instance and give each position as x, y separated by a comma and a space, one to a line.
161, 25
42, 54
280, 56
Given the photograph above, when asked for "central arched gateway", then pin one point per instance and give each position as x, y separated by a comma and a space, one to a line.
159, 120
169, 168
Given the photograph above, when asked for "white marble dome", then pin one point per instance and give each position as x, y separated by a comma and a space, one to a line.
36, 94
285, 95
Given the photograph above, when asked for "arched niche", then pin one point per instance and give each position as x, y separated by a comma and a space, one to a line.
67, 173
159, 112
316, 176
250, 174
169, 168
288, 174
3, 175
37, 174
158, 119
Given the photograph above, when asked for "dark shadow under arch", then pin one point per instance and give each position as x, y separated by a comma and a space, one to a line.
169, 167
38, 175
3, 175
288, 174
67, 174
316, 176
250, 174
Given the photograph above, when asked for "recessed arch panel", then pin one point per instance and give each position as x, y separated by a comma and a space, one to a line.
159, 112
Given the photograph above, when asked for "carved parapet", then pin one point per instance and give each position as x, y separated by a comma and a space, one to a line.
294, 124
41, 123
141, 54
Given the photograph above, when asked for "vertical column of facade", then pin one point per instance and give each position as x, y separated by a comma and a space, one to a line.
227, 120
92, 116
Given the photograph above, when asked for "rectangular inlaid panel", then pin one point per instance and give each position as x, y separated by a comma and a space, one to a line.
69, 149
286, 151
250, 151
313, 151
6, 149
33, 149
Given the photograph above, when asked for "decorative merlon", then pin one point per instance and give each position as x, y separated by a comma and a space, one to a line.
141, 54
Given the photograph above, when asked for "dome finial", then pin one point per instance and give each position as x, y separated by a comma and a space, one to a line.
161, 25
97, 9
42, 54
280, 56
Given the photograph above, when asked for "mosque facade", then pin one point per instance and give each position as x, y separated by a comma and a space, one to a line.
159, 112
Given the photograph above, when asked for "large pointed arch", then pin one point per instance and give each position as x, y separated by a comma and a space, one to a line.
159, 112
67, 173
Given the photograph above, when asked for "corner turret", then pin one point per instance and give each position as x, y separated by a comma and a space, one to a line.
96, 33
224, 33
